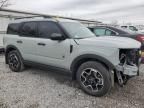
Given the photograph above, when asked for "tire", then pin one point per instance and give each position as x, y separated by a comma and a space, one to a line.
15, 61
138, 73
94, 78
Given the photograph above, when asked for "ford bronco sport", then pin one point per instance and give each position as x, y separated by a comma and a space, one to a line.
95, 62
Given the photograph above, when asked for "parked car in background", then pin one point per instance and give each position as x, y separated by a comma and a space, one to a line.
113, 31
132, 28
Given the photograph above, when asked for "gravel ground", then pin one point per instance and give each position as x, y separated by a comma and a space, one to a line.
34, 88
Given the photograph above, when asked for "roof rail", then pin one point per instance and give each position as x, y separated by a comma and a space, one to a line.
31, 17
51, 16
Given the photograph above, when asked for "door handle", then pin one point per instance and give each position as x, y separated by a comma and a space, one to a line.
41, 44
19, 41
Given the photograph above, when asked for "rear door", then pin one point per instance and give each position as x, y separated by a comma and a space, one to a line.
27, 41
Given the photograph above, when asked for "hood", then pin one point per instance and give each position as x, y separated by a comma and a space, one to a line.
110, 41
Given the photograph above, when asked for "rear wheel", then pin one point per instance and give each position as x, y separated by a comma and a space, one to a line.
15, 61
94, 78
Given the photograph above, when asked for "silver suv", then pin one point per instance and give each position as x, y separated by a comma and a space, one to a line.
95, 62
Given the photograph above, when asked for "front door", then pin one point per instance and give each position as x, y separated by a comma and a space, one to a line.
51, 52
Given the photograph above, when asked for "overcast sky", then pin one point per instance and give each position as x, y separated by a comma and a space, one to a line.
102, 10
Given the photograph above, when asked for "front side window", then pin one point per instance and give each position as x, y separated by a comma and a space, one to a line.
29, 29
46, 29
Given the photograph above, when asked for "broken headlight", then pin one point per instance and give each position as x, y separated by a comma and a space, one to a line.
129, 56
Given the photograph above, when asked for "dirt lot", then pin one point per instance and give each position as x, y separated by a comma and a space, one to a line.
36, 88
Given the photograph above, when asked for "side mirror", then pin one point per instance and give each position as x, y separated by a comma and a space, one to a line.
57, 36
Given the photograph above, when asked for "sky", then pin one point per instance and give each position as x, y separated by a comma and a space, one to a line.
108, 11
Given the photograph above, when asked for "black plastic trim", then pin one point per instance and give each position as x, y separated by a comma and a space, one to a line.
47, 67
71, 48
7, 49
92, 56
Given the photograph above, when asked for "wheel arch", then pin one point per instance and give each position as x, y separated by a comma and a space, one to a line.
8, 49
89, 57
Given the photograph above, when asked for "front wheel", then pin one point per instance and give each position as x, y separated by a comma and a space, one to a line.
94, 78
15, 61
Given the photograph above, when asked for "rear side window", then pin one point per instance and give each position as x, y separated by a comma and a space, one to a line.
104, 32
13, 29
46, 29
29, 29
99, 31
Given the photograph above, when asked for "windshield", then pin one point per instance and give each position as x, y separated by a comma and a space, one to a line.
77, 30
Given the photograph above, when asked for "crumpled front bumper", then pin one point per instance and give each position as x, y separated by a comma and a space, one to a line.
129, 66
128, 70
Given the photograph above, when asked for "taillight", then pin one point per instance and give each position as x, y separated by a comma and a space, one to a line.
140, 38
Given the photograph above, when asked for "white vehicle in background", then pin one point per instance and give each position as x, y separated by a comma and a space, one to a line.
132, 28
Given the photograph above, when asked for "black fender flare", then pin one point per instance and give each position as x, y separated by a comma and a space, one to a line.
7, 49
89, 57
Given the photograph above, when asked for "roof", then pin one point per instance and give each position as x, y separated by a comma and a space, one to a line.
41, 19
99, 26
31, 19
46, 15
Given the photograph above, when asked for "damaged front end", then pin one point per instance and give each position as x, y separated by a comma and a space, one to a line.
129, 65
